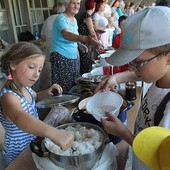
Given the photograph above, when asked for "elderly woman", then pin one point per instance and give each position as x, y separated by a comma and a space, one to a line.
64, 52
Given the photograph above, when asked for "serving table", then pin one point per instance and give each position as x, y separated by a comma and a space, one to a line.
25, 162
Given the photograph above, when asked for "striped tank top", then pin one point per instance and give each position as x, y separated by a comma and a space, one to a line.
17, 140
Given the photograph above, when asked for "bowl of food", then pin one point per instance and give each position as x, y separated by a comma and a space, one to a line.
104, 101
81, 115
89, 143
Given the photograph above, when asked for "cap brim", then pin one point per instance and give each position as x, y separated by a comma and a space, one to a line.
123, 56
146, 145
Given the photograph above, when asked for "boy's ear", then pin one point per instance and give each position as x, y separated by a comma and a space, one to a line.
168, 59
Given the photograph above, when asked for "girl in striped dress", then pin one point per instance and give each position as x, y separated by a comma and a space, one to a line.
24, 62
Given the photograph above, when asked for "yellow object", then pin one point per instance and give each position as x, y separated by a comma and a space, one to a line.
152, 146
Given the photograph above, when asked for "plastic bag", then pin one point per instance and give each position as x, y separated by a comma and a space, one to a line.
58, 115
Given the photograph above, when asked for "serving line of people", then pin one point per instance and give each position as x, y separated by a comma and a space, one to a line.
99, 22
65, 38
96, 28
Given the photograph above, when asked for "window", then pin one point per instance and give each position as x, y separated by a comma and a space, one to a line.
17, 16
20, 17
4, 24
39, 11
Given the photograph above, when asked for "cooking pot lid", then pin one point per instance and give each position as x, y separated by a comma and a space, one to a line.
90, 79
58, 100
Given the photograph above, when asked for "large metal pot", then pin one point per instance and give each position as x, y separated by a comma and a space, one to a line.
80, 162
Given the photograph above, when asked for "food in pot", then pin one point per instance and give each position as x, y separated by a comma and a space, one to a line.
86, 141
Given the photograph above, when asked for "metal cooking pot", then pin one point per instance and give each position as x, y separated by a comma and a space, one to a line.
80, 162
82, 116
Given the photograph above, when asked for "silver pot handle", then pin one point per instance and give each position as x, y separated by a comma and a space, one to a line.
37, 146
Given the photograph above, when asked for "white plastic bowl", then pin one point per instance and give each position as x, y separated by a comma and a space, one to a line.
102, 102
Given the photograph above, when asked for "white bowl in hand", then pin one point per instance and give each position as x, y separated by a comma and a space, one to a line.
106, 101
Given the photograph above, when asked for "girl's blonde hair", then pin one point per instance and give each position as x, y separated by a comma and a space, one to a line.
17, 53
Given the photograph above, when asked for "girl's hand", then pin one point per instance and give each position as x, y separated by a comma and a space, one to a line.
113, 125
108, 83
54, 89
62, 138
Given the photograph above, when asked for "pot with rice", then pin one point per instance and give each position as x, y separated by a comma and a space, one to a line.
90, 141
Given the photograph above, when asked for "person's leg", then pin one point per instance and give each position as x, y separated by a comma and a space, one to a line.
64, 71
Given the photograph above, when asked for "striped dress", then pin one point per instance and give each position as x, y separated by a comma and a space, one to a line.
17, 140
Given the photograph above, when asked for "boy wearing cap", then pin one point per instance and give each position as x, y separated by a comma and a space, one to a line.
146, 47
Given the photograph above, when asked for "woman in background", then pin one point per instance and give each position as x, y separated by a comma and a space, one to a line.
101, 22
131, 10
86, 27
64, 52
115, 17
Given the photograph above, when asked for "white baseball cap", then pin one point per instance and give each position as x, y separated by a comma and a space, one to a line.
145, 29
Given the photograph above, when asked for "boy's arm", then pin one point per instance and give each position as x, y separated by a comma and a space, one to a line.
114, 126
111, 82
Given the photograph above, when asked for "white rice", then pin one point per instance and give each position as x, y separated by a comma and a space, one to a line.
85, 141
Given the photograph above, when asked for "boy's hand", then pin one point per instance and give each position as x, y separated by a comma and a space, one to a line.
113, 125
108, 83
